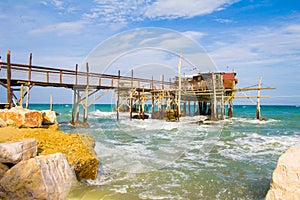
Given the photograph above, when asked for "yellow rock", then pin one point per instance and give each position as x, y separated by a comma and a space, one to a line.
78, 149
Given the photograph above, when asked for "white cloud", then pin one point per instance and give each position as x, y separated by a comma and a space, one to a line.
261, 45
124, 11
106, 11
194, 34
58, 4
61, 28
169, 9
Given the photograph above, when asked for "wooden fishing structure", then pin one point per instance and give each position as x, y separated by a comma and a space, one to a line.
198, 94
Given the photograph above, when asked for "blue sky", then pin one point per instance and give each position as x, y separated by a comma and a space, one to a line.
255, 38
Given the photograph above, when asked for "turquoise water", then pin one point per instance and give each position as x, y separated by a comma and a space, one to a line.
154, 159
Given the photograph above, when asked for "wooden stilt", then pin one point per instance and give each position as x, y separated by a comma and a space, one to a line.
75, 100
222, 107
143, 103
8, 85
214, 102
189, 107
258, 116
86, 105
51, 105
230, 109
21, 95
131, 95
118, 97
179, 85
29, 79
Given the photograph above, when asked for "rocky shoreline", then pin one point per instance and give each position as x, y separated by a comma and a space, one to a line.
37, 161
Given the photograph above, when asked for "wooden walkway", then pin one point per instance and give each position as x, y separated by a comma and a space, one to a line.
129, 90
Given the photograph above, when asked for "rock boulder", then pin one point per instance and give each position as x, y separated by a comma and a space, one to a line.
42, 177
285, 182
78, 148
21, 117
14, 152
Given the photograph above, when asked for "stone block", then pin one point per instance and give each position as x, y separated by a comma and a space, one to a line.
21, 117
15, 152
285, 182
43, 177
49, 117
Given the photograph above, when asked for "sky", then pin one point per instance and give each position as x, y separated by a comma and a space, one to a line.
252, 37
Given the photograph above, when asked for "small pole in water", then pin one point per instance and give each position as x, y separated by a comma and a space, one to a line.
21, 95
51, 107
118, 97
214, 107
179, 87
131, 94
258, 99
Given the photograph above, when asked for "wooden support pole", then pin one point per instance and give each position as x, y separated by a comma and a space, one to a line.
258, 116
75, 101
230, 109
222, 106
152, 83
51, 106
143, 103
8, 85
131, 94
21, 95
152, 103
179, 85
47, 77
118, 97
162, 82
29, 80
60, 76
214, 102
86, 105
189, 107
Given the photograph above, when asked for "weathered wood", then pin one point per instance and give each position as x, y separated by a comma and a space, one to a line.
75, 102
8, 76
85, 117
258, 100
29, 79
118, 97
51, 103
60, 76
214, 101
21, 95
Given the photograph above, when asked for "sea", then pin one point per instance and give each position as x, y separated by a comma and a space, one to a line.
196, 159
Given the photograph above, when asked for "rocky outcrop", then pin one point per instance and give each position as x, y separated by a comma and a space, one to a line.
15, 152
25, 118
42, 177
78, 148
3, 169
285, 182
49, 117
